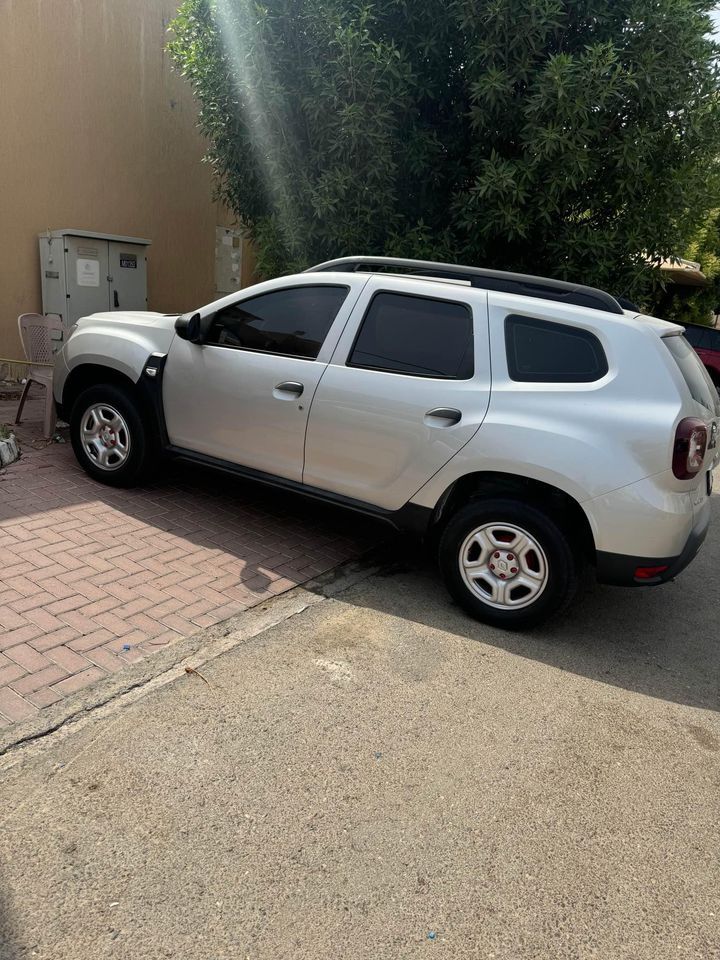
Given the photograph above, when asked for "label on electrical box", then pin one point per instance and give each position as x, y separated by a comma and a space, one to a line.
52, 274
88, 273
128, 260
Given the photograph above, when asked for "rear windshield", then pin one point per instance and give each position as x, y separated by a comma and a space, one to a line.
691, 367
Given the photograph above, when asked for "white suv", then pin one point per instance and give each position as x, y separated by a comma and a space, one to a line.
524, 426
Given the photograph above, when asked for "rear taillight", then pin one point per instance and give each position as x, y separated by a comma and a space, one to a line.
689, 451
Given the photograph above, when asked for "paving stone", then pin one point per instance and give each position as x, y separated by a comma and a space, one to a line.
89, 570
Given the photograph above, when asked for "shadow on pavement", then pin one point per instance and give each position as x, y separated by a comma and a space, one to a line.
661, 641
9, 948
657, 641
261, 527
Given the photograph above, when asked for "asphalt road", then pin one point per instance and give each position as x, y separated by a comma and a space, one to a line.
381, 777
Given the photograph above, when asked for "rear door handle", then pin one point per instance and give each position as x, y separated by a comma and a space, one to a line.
442, 417
288, 390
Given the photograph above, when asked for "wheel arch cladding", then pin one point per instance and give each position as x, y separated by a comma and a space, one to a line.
563, 509
146, 392
90, 375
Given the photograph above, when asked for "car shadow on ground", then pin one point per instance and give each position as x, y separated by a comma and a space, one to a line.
9, 947
270, 532
250, 511
659, 641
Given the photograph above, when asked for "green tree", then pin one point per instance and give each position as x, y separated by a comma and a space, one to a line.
561, 137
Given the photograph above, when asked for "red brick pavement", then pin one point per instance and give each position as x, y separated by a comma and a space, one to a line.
93, 578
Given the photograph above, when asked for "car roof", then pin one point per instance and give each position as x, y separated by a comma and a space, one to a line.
541, 288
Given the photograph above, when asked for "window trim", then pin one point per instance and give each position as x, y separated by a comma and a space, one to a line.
517, 376
407, 373
268, 293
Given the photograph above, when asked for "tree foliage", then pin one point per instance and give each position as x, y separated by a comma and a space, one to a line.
690, 305
560, 137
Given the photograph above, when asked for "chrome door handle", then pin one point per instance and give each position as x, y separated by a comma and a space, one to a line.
442, 417
288, 390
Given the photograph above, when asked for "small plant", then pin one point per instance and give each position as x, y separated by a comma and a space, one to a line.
4, 431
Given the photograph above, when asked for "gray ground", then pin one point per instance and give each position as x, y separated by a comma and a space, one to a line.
378, 776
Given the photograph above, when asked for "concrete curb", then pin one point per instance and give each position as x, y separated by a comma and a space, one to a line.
25, 737
9, 451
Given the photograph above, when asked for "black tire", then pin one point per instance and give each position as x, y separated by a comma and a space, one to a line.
142, 455
559, 562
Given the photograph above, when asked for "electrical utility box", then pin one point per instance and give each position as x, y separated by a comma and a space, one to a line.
228, 260
84, 273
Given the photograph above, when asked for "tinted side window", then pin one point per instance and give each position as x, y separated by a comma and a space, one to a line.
401, 333
291, 322
539, 351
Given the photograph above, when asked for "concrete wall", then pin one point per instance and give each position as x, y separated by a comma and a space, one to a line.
98, 133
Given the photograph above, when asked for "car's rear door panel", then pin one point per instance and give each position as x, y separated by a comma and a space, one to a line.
378, 435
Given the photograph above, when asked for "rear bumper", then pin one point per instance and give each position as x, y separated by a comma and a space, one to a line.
617, 569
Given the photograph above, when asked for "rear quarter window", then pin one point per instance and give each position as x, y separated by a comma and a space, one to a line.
540, 351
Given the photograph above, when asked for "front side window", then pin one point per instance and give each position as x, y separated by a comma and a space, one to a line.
539, 351
418, 336
292, 322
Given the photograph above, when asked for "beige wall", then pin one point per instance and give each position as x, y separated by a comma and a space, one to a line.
98, 133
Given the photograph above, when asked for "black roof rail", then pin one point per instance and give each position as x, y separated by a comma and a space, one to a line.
519, 283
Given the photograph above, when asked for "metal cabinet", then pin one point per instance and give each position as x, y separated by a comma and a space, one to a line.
228, 260
83, 273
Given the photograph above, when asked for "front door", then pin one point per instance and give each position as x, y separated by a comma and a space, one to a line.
408, 386
243, 396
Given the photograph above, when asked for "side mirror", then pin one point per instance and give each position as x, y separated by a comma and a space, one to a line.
188, 327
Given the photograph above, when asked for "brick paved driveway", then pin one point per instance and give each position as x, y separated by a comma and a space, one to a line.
93, 578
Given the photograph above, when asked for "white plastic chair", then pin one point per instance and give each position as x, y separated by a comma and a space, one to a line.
36, 334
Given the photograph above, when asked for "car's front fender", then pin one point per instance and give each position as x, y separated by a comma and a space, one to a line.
124, 350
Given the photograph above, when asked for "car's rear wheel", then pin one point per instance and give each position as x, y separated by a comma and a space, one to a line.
507, 563
109, 437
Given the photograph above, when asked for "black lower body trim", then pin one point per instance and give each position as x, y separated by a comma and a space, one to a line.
411, 518
150, 388
617, 569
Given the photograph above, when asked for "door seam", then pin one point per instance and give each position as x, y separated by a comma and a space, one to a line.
484, 417
320, 380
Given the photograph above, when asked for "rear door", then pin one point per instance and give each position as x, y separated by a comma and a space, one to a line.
407, 387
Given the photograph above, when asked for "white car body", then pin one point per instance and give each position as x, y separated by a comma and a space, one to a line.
369, 438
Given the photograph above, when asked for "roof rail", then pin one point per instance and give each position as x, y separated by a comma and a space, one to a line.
520, 283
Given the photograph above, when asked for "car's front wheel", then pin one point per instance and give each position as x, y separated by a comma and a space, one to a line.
507, 563
109, 437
